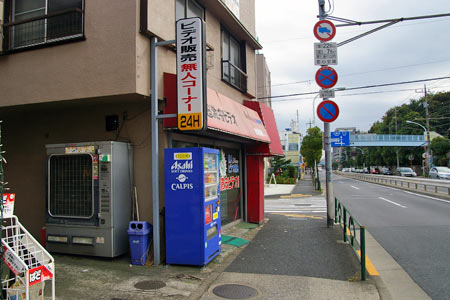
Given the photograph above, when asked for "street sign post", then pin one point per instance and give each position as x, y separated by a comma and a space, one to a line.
327, 111
324, 30
325, 54
340, 139
325, 94
326, 77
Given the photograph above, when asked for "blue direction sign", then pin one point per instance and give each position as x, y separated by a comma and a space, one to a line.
340, 138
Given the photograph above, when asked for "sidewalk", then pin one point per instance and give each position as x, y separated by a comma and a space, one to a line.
295, 256
290, 256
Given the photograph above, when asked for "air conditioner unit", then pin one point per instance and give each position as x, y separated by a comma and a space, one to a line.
89, 196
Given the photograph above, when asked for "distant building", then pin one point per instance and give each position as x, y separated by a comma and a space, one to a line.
263, 80
291, 141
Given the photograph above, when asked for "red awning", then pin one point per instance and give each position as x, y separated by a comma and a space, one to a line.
229, 116
268, 118
224, 114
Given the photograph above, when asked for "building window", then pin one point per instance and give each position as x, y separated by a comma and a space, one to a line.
293, 147
233, 62
189, 9
38, 22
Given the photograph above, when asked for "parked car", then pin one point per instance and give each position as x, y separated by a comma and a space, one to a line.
365, 170
386, 171
374, 171
439, 173
406, 172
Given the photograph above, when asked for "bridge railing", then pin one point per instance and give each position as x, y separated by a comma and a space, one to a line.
386, 138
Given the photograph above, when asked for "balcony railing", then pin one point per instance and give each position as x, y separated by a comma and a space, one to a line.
233, 75
50, 28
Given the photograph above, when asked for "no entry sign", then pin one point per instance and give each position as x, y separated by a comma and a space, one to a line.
324, 30
327, 111
326, 77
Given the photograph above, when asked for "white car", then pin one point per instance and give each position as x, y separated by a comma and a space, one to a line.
439, 173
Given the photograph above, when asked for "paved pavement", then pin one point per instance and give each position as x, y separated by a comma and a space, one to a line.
291, 255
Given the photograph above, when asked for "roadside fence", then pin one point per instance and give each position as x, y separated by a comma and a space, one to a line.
422, 185
350, 229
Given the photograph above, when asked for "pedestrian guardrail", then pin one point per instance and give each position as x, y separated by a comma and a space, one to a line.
422, 185
350, 228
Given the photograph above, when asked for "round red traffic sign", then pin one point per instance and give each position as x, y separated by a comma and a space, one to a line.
326, 77
327, 111
324, 30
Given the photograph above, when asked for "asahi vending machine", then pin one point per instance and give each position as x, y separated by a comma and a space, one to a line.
192, 220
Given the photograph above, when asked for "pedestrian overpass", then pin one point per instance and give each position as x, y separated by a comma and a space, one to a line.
386, 140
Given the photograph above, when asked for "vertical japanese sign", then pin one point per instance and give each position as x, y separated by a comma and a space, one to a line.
191, 79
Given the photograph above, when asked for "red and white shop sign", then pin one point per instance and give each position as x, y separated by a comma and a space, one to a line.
8, 205
39, 274
190, 74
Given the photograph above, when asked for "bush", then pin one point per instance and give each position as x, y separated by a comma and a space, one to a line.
285, 180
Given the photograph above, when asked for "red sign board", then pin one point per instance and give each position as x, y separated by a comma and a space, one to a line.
324, 30
326, 77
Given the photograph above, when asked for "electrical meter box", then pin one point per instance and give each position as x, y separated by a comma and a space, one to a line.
192, 220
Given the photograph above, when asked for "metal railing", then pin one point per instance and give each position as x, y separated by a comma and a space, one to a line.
435, 187
233, 75
350, 226
46, 29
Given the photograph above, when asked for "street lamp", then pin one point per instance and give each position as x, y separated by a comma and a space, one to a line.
427, 160
362, 152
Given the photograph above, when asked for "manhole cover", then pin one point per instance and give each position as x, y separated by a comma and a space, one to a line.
234, 291
150, 285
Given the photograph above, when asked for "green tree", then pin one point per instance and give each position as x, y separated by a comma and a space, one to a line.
440, 147
280, 163
311, 148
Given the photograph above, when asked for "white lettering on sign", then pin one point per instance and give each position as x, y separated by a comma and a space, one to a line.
185, 167
35, 276
182, 186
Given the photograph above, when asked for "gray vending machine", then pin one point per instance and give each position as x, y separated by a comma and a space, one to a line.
89, 196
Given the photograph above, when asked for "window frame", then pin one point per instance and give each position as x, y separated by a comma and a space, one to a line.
242, 68
10, 21
186, 6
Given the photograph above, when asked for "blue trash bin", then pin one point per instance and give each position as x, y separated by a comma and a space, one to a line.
139, 236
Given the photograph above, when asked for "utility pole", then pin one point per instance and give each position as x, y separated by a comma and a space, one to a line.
427, 116
327, 146
396, 148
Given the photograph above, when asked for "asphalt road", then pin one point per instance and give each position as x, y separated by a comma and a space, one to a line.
413, 228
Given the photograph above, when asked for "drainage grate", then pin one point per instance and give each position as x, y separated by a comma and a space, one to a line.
302, 204
235, 291
150, 285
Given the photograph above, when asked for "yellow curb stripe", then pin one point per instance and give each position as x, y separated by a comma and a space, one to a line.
299, 216
295, 196
369, 266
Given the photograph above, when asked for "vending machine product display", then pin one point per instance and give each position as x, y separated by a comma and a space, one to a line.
192, 208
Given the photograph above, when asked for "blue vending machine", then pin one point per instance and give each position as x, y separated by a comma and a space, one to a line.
192, 220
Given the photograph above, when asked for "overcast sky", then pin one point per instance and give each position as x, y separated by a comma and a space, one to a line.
406, 51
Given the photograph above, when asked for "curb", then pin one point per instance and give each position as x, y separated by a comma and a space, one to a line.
393, 282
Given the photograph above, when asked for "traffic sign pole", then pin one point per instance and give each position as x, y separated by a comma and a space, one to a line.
326, 126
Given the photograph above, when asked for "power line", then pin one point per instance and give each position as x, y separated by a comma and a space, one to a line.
359, 73
361, 87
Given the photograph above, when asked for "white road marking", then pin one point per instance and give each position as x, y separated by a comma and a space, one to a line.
356, 188
425, 196
392, 202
